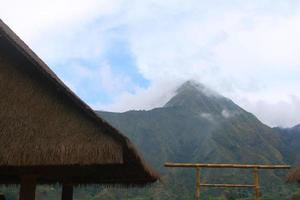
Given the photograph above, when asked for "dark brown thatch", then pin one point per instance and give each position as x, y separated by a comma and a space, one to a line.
294, 175
47, 131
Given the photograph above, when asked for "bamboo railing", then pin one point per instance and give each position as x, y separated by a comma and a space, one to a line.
255, 168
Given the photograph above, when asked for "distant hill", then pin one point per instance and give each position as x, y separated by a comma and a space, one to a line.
290, 147
200, 125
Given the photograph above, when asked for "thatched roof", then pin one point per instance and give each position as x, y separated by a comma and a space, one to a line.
294, 175
46, 130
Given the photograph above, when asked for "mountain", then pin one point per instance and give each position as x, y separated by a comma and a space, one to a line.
290, 147
200, 125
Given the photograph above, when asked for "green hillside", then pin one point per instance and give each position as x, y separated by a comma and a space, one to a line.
290, 146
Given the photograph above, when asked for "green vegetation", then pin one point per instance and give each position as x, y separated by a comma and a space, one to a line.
96, 193
295, 195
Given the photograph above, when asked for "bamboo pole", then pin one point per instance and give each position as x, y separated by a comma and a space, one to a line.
194, 165
226, 185
67, 192
198, 183
27, 189
256, 183
2, 197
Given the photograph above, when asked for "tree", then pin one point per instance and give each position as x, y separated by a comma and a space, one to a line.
295, 195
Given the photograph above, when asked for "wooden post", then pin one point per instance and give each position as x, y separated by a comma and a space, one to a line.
198, 183
2, 197
27, 190
256, 183
67, 192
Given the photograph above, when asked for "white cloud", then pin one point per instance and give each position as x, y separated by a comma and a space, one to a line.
33, 18
219, 48
207, 116
142, 99
61, 30
272, 45
226, 113
112, 82
283, 113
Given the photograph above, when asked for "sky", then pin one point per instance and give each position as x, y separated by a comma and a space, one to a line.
120, 55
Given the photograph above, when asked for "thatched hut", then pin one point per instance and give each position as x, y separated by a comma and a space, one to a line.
294, 175
48, 135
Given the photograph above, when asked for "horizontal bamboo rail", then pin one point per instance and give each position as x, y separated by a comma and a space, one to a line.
241, 166
226, 185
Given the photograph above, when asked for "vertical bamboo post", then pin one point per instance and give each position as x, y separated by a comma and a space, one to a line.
67, 192
2, 197
197, 183
27, 189
256, 183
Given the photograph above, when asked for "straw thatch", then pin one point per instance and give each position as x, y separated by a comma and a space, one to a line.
46, 130
294, 175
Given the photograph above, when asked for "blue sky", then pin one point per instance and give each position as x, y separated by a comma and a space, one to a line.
119, 55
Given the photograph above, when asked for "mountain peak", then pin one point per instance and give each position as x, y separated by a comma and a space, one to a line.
196, 97
192, 85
